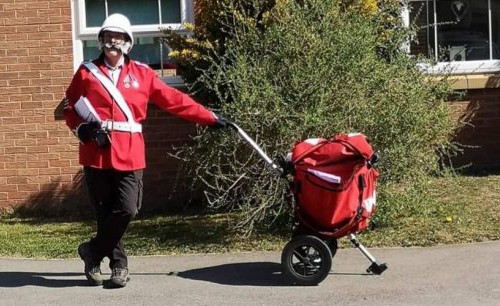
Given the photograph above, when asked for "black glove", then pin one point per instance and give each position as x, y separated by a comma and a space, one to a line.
101, 137
86, 131
92, 131
221, 122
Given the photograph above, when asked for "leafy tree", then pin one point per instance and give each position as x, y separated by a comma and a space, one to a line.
289, 70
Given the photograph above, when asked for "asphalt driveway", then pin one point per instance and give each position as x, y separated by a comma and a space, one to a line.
457, 275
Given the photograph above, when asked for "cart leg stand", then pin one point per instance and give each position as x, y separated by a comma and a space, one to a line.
375, 267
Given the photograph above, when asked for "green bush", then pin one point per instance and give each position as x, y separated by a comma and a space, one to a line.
313, 69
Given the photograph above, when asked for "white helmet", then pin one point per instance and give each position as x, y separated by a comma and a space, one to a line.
120, 24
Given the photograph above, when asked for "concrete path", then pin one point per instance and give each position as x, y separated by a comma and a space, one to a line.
458, 275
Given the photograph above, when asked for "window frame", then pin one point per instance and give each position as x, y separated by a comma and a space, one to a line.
82, 33
458, 67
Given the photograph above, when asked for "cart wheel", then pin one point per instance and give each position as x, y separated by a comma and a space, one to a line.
332, 243
306, 260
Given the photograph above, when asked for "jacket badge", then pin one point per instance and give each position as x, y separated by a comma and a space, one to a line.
130, 80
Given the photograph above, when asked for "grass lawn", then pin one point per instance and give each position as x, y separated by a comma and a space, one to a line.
468, 210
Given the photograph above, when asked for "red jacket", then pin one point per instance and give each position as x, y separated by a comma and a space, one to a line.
138, 85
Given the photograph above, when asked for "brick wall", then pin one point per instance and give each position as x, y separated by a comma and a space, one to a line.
480, 138
36, 149
39, 167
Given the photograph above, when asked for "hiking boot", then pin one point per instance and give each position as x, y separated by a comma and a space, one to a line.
92, 267
119, 278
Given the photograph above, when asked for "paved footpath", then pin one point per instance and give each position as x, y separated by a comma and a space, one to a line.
457, 275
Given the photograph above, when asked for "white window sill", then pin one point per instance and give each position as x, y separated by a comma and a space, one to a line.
465, 67
474, 81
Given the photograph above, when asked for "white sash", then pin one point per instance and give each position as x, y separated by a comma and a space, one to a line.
116, 94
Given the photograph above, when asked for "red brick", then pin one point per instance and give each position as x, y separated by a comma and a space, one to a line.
60, 19
8, 60
29, 59
14, 6
8, 188
15, 165
14, 21
37, 149
34, 34
17, 83
20, 98
26, 13
10, 106
15, 135
50, 12
59, 163
9, 75
49, 156
38, 164
36, 134
29, 29
59, 4
50, 58
38, 82
42, 66
42, 97
17, 52
6, 29
20, 195
70, 170
40, 51
19, 67
17, 180
49, 171
25, 142
9, 121
48, 141
50, 28
30, 89
38, 20
29, 74
5, 113
8, 173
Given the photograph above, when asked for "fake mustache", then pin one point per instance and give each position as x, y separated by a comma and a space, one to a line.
117, 47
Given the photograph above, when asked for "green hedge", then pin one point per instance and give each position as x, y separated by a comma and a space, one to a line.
313, 68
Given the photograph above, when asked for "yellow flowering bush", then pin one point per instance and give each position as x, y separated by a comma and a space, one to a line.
365, 7
215, 20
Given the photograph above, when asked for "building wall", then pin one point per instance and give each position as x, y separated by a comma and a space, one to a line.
39, 167
36, 150
479, 137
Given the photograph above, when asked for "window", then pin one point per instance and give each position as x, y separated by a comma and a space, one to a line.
463, 35
146, 17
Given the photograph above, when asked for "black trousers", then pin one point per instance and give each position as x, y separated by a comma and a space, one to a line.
117, 197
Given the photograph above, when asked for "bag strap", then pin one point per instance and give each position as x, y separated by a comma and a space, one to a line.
111, 88
352, 144
311, 149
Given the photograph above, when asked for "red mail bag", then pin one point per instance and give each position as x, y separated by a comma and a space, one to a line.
334, 184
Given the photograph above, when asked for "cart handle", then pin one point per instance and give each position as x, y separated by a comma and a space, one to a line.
257, 148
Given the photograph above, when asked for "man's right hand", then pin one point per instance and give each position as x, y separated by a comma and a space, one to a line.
86, 131
220, 122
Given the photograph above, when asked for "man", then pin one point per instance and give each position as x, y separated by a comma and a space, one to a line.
105, 105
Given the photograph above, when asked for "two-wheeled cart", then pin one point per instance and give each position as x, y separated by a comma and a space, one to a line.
333, 182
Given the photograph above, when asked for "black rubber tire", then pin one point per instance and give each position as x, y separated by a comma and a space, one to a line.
332, 243
306, 260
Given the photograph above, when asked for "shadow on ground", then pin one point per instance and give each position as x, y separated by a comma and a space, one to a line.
50, 280
267, 274
240, 274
